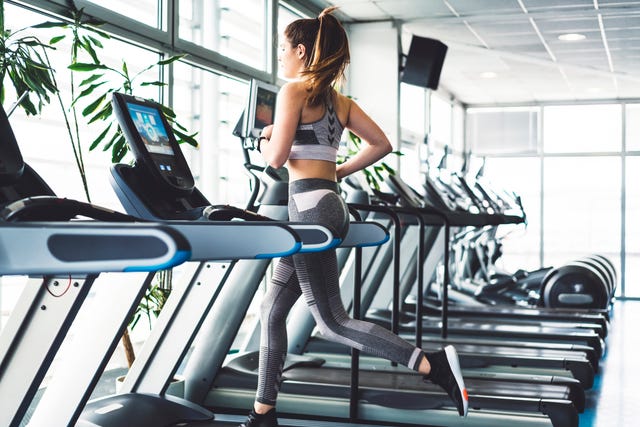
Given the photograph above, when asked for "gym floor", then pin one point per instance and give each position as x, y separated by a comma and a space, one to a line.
613, 401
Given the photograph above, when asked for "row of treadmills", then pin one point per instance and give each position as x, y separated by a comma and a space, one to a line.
522, 366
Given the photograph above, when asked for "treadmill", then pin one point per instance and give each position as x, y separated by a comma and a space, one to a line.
484, 199
205, 363
432, 244
531, 333
503, 356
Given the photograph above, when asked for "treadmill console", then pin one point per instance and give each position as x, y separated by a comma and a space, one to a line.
261, 108
152, 142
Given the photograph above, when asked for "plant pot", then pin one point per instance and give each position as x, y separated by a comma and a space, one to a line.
176, 388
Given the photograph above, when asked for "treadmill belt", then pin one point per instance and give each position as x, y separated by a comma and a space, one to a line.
390, 380
225, 420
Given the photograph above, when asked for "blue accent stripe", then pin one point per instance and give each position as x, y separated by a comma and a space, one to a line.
178, 258
296, 248
381, 242
335, 242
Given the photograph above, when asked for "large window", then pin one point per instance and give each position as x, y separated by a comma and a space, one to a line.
441, 132
236, 29
632, 225
413, 117
581, 173
632, 121
145, 11
285, 17
441, 118
581, 208
582, 128
521, 243
217, 163
502, 130
413, 113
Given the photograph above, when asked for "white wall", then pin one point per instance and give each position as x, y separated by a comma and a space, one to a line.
373, 78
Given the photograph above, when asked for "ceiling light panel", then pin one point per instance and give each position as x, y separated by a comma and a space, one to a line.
571, 37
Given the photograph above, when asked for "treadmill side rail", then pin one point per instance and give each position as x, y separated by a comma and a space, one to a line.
69, 248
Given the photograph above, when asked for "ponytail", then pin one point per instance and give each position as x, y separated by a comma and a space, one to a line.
327, 49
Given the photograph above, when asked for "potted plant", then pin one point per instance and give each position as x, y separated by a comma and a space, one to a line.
94, 91
24, 62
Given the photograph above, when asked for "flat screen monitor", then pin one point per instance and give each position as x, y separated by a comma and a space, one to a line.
261, 108
152, 142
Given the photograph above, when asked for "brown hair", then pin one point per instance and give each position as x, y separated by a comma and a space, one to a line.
327, 49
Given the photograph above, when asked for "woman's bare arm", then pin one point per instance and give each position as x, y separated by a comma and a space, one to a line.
375, 144
289, 106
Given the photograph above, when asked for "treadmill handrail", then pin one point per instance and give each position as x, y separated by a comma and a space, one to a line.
262, 240
365, 233
83, 247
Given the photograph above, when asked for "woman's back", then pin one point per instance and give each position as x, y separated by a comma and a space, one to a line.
317, 137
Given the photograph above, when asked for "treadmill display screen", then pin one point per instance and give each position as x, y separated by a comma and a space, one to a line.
265, 108
149, 124
261, 108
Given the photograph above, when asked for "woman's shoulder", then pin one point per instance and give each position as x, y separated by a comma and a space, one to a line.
294, 88
341, 99
342, 104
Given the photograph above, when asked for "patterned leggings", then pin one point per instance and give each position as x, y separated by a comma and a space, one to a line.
315, 275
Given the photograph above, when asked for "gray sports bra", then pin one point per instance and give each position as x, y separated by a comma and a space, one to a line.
318, 140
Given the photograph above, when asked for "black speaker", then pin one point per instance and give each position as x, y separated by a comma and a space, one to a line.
424, 62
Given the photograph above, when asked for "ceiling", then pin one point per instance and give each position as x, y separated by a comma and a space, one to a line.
508, 51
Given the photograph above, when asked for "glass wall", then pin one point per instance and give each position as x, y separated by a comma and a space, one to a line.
413, 122
217, 164
235, 29
502, 131
145, 11
521, 175
440, 114
582, 128
581, 208
429, 122
632, 228
582, 194
570, 179
632, 136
